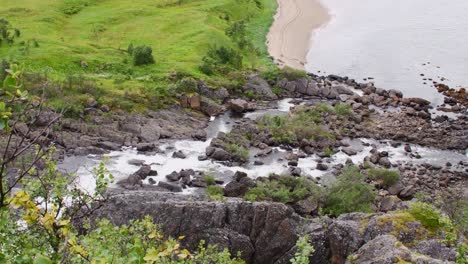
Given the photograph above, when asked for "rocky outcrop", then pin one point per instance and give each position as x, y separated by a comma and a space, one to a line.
265, 232
260, 88
262, 232
387, 249
241, 106
102, 133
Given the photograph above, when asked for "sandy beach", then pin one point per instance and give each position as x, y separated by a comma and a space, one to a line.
289, 38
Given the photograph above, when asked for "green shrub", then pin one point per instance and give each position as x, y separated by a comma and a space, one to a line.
239, 152
250, 94
292, 74
453, 201
221, 60
431, 218
4, 65
186, 85
349, 194
285, 189
303, 123
142, 55
7, 33
303, 251
328, 151
210, 180
386, 177
215, 192
343, 109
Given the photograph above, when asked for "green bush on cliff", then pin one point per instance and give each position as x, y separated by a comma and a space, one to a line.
349, 194
303, 251
386, 177
431, 218
284, 189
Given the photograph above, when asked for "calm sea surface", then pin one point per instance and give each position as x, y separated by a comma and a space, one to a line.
399, 44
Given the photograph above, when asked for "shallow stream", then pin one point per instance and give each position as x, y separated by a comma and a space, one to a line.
164, 163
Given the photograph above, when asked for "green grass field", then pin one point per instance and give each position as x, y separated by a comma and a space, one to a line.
99, 32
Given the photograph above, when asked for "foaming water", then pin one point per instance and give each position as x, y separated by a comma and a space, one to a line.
164, 163
394, 42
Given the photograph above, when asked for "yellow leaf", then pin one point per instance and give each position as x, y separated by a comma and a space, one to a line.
152, 255
47, 220
181, 237
153, 235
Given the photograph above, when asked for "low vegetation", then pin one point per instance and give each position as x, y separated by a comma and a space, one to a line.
304, 250
284, 189
215, 192
385, 177
8, 34
350, 193
431, 218
238, 152
285, 73
302, 123
210, 180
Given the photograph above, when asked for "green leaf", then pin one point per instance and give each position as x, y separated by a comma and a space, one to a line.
2, 124
42, 260
9, 83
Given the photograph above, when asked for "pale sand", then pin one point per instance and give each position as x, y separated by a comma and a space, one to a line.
289, 38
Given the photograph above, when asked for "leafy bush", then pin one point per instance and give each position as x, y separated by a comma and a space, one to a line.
292, 74
215, 192
303, 251
238, 33
284, 189
288, 73
454, 202
142, 55
349, 194
431, 218
238, 152
4, 65
186, 85
221, 60
343, 109
303, 123
7, 33
210, 180
386, 177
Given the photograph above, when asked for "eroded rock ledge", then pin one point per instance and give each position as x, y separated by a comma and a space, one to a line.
267, 232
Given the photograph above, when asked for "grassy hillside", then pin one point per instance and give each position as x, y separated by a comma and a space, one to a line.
98, 32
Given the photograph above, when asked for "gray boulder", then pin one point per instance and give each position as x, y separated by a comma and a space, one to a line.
170, 186
260, 87
382, 250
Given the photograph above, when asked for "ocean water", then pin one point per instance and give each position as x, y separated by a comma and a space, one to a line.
397, 43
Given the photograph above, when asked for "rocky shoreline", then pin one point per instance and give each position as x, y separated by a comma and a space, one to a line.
405, 119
